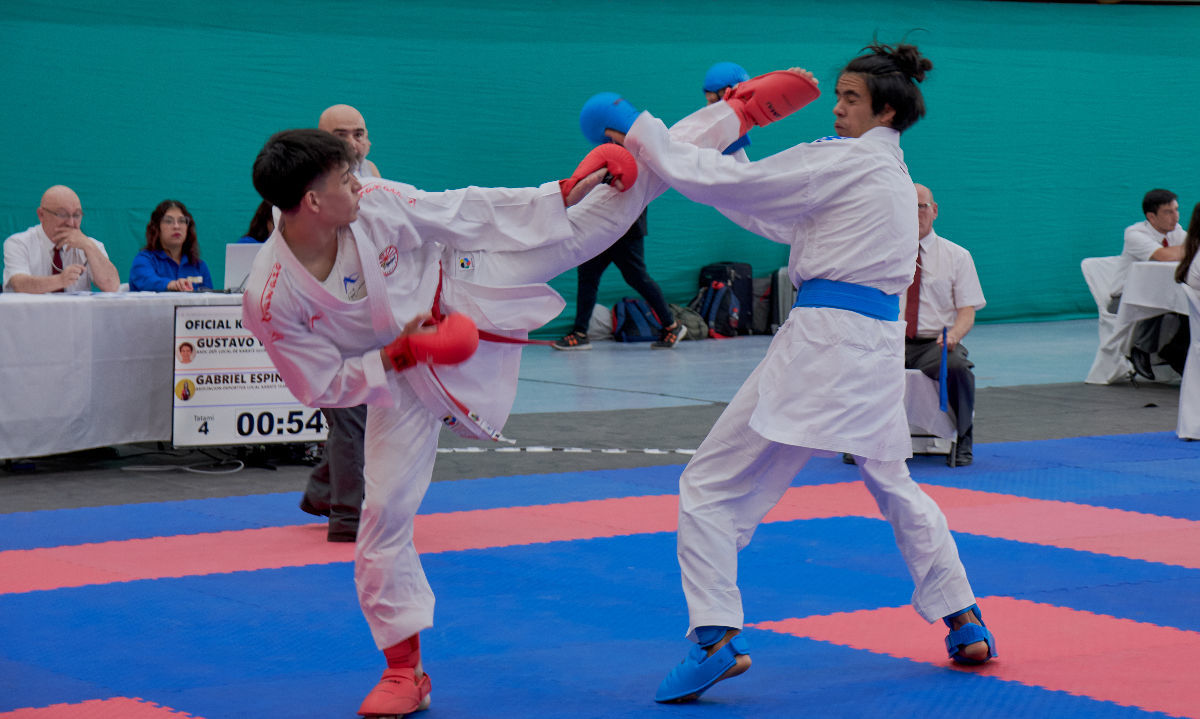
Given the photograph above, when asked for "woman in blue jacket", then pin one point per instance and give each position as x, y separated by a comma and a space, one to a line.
170, 260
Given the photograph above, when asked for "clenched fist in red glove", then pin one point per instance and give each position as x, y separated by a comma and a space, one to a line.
451, 341
764, 99
620, 166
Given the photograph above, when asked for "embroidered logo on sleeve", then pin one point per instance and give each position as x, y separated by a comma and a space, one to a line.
386, 188
268, 293
464, 262
389, 259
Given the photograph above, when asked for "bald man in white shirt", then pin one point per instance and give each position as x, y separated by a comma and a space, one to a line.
347, 123
54, 255
335, 486
949, 297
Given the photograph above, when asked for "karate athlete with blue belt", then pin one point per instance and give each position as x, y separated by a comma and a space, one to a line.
833, 378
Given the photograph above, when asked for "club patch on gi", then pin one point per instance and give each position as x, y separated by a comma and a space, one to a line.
389, 259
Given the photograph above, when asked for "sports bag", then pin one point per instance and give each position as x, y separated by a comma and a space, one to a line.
634, 321
739, 277
720, 308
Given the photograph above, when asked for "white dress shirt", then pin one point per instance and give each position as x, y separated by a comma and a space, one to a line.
1141, 241
31, 253
948, 283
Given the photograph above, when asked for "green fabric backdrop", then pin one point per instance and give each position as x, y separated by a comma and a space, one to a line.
1047, 122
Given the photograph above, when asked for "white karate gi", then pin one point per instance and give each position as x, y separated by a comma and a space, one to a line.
832, 379
495, 249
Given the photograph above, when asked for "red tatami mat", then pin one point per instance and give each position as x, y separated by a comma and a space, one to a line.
1093, 655
1060, 524
117, 708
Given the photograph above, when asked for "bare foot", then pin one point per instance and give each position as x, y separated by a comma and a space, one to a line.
975, 651
740, 664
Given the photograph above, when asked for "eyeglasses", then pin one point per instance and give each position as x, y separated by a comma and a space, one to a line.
181, 221
77, 215
924, 205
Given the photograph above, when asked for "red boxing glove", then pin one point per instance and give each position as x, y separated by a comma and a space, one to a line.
620, 163
764, 99
453, 340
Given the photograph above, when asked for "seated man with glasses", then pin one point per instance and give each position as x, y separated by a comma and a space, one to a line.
55, 255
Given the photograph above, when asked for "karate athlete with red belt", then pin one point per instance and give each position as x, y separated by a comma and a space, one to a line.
379, 294
833, 378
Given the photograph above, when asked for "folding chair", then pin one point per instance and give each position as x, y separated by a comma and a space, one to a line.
1111, 363
933, 431
1189, 388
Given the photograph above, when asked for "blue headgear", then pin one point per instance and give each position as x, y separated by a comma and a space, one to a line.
724, 74
605, 110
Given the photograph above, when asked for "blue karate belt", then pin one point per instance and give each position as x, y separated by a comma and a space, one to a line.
849, 296
943, 393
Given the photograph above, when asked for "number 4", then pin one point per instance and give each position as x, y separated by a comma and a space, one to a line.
203, 428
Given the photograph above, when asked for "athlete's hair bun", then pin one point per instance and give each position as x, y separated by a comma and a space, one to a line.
910, 61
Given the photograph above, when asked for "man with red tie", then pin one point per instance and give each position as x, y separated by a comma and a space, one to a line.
945, 294
1158, 238
55, 255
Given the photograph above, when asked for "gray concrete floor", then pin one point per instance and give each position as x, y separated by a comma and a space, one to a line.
624, 397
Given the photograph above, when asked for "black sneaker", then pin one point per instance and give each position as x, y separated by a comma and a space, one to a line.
575, 341
670, 336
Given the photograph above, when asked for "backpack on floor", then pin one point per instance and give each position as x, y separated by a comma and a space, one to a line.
697, 328
739, 277
719, 307
634, 321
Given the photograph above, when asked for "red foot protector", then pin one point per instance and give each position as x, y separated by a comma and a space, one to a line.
770, 97
620, 163
1106, 658
454, 341
398, 693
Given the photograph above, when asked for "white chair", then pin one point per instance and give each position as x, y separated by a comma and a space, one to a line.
933, 431
1111, 363
1189, 388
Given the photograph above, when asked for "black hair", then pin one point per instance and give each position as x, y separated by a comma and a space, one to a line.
1155, 199
1190, 244
292, 160
191, 247
262, 223
892, 74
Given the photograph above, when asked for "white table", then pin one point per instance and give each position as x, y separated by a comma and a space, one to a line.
1151, 290
79, 371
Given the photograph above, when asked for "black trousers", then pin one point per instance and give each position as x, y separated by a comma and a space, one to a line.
926, 355
337, 482
628, 254
1165, 338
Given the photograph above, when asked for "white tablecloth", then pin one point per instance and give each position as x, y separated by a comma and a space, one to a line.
1151, 290
79, 371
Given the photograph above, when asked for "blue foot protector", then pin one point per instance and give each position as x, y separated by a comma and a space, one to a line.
968, 634
697, 672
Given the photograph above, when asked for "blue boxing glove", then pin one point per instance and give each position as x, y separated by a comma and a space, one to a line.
606, 111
